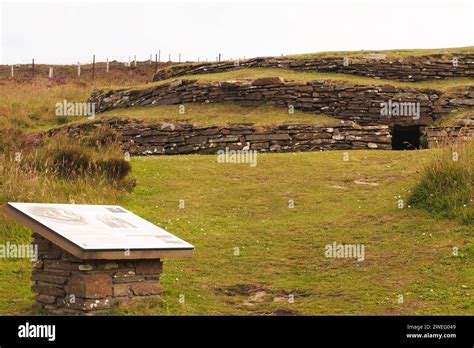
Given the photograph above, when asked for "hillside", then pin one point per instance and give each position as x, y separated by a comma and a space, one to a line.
407, 251
327, 170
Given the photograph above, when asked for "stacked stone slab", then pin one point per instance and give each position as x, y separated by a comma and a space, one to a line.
65, 284
461, 130
163, 138
454, 100
411, 69
358, 103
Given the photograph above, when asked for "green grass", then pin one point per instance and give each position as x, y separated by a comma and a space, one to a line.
28, 186
298, 76
447, 184
453, 117
230, 206
220, 114
31, 105
15, 284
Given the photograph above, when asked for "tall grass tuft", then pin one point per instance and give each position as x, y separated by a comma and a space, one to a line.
446, 187
60, 166
61, 170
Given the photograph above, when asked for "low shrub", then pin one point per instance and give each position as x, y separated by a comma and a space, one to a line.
61, 120
114, 168
10, 139
71, 159
446, 187
102, 136
72, 162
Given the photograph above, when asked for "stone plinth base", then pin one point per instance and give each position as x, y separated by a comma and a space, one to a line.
66, 284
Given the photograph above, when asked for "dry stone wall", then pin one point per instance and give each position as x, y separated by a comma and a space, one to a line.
65, 284
358, 103
422, 68
152, 138
461, 130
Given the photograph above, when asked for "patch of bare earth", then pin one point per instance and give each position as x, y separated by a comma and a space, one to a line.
252, 295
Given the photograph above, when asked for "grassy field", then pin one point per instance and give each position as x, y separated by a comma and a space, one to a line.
221, 114
253, 252
31, 105
281, 250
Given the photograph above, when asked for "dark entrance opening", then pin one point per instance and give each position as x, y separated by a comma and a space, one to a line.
406, 137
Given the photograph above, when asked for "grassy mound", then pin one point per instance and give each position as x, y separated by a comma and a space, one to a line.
306, 76
221, 114
447, 184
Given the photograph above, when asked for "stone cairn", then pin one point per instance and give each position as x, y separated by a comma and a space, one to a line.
68, 285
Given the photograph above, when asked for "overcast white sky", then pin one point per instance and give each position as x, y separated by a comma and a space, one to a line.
64, 32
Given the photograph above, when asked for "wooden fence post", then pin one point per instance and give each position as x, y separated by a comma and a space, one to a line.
107, 66
33, 68
93, 66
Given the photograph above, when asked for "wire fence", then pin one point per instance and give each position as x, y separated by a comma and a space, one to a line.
93, 69
88, 70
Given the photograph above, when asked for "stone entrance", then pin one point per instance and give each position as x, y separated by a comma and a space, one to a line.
406, 137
